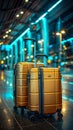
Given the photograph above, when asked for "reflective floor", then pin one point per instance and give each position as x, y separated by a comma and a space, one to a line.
13, 120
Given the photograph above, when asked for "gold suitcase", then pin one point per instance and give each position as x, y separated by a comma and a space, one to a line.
45, 92
21, 86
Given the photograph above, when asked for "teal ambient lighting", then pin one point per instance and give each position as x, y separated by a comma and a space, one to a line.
54, 5
50, 58
41, 17
67, 98
64, 41
21, 35
49, 10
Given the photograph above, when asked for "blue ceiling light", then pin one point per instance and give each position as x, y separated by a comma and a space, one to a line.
41, 17
54, 5
21, 35
49, 10
64, 41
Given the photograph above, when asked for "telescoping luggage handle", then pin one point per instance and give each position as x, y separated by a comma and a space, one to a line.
36, 55
41, 55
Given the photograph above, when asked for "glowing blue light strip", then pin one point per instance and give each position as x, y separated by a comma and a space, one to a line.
41, 17
38, 20
21, 35
70, 39
49, 10
54, 5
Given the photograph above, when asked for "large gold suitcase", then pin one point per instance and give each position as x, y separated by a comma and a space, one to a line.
45, 92
21, 85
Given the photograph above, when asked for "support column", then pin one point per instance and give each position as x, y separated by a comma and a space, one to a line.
11, 63
58, 39
21, 50
29, 47
45, 36
8, 59
16, 53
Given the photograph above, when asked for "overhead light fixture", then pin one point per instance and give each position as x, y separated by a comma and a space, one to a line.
63, 31
50, 9
26, 1
9, 30
6, 36
17, 15
21, 12
57, 33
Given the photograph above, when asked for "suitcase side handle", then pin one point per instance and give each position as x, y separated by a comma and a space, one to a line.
42, 55
29, 39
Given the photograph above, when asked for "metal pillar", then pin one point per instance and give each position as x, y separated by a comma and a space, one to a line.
29, 47
58, 40
8, 59
11, 61
16, 53
21, 49
45, 36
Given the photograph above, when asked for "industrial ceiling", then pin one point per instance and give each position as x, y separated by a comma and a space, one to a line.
16, 15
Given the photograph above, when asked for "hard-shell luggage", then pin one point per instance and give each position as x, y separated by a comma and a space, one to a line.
45, 92
21, 86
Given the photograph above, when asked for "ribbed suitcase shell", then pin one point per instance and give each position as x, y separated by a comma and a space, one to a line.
21, 97
52, 93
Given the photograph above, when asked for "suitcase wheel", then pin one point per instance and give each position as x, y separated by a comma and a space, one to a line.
15, 108
60, 115
22, 110
33, 115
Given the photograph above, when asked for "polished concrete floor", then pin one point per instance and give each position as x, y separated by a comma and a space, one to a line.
13, 120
